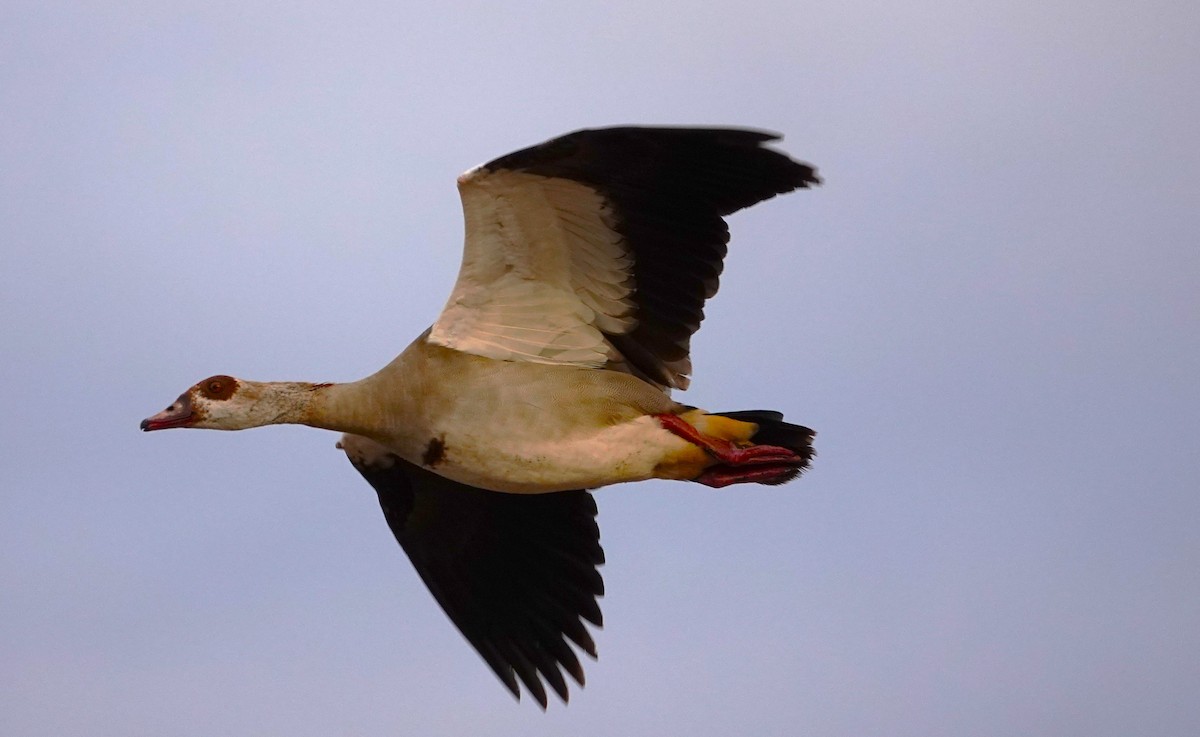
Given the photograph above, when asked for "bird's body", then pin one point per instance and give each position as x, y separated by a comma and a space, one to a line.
587, 263
512, 426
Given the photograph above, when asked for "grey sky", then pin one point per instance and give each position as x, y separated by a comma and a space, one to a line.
989, 313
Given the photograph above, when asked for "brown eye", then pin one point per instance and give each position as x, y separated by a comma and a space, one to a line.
218, 387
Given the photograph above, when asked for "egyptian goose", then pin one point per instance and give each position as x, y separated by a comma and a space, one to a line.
587, 263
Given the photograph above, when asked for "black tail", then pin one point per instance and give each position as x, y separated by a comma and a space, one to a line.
772, 430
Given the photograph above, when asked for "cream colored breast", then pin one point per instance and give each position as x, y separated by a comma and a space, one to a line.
516, 426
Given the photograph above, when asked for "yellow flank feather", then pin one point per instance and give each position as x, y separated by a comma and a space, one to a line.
684, 464
716, 426
691, 460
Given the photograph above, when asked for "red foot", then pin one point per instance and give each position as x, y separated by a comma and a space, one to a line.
729, 453
721, 475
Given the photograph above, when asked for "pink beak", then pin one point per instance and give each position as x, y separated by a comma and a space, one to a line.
178, 414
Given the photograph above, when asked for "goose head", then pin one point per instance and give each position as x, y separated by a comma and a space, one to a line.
217, 403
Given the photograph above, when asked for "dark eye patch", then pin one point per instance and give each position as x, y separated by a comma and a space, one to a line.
218, 387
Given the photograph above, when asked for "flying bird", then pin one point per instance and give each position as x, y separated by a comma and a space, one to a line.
587, 263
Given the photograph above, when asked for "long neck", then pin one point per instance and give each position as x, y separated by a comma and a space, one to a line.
337, 407
381, 404
279, 403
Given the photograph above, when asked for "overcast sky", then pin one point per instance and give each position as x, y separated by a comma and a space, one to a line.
990, 312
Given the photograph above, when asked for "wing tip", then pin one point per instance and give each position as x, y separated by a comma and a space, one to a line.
470, 176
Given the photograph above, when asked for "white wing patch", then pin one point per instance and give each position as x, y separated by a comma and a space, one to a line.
544, 273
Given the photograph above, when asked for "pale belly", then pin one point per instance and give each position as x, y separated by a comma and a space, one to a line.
524, 428
631, 451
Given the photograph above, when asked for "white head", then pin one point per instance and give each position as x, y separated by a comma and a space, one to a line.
226, 403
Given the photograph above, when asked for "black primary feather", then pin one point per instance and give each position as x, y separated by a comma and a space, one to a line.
516, 573
668, 190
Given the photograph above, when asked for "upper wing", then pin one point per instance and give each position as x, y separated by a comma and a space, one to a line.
600, 247
515, 572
